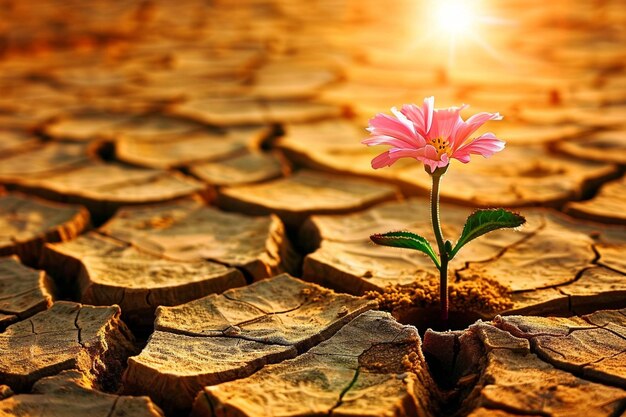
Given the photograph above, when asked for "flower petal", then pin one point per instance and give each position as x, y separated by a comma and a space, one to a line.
382, 161
427, 109
431, 153
445, 123
432, 159
402, 119
385, 140
433, 165
422, 117
485, 145
385, 125
471, 125
397, 153
389, 157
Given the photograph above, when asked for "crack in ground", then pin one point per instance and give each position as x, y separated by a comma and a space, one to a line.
228, 297
603, 265
110, 414
500, 254
347, 388
573, 369
345, 391
577, 276
554, 351
454, 396
481, 382
80, 339
222, 334
290, 348
232, 331
146, 249
595, 263
598, 261
340, 355
513, 330
271, 314
605, 358
604, 327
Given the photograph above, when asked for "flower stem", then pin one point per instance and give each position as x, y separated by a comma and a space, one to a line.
443, 254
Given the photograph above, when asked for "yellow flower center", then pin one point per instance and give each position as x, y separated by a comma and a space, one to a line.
441, 145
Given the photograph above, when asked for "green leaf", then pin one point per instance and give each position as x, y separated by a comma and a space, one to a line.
406, 240
484, 221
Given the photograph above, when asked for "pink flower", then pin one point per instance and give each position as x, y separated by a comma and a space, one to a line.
430, 135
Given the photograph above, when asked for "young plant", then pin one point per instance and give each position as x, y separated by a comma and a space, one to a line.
434, 137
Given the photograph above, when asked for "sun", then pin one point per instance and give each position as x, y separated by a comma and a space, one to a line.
454, 17
456, 28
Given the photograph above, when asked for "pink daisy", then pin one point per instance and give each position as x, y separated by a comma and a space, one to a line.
430, 135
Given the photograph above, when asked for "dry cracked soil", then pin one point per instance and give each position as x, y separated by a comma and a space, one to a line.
185, 207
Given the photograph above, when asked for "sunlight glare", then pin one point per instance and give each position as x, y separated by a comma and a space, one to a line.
454, 16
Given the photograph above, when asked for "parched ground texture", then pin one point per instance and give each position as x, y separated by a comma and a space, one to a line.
185, 208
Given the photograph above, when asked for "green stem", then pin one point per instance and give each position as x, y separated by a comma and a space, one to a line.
443, 254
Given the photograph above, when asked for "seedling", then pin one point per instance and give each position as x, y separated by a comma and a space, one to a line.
434, 137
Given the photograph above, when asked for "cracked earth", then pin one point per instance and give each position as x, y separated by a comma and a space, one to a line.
185, 208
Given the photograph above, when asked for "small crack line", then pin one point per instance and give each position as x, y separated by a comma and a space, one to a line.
240, 337
557, 286
273, 313
609, 267
604, 358
597, 254
340, 355
400, 333
582, 328
604, 327
598, 260
502, 251
146, 250
515, 331
113, 407
554, 351
80, 339
345, 391
228, 297
570, 369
